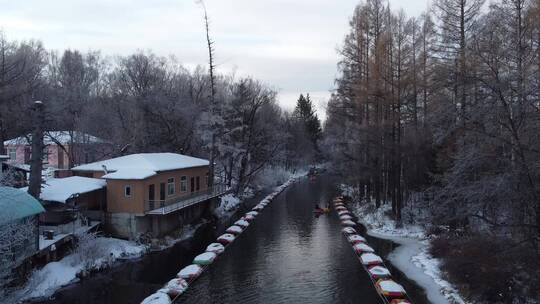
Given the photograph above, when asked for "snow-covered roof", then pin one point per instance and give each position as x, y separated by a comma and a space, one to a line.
60, 189
142, 166
16, 204
23, 167
63, 137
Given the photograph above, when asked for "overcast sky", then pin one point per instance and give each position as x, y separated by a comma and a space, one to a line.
288, 44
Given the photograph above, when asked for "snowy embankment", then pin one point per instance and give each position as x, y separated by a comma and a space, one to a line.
93, 253
412, 257
269, 178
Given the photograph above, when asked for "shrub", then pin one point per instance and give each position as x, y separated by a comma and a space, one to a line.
491, 269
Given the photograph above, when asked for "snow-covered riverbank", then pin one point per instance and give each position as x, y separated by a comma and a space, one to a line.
93, 254
412, 257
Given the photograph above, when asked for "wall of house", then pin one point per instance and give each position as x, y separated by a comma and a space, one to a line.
117, 202
131, 226
52, 156
83, 153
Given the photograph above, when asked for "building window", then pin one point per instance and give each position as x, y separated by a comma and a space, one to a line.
198, 183
207, 181
12, 152
170, 186
183, 183
127, 191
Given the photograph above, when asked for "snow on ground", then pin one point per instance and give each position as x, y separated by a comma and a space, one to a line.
228, 204
187, 232
98, 253
412, 256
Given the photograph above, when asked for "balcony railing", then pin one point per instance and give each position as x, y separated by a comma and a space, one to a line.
179, 202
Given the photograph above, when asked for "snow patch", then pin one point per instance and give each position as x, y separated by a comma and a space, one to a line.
228, 204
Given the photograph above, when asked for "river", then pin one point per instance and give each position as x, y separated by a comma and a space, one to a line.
287, 255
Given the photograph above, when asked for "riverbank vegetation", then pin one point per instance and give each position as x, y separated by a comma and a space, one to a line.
441, 112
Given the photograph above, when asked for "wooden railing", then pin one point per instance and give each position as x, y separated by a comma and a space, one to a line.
179, 202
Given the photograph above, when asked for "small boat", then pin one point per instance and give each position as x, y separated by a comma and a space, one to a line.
355, 238
379, 272
160, 297
389, 288
226, 238
242, 223
360, 248
370, 259
190, 272
348, 230
216, 248
348, 223
175, 287
236, 230
206, 258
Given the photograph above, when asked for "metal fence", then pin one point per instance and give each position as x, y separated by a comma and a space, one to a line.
179, 202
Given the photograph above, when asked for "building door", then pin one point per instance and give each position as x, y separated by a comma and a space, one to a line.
60, 158
151, 196
192, 184
162, 191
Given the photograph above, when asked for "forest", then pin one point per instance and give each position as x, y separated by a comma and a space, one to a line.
147, 103
439, 116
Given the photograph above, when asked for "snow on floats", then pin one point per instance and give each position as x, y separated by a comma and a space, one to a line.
176, 287
370, 259
157, 298
362, 248
348, 223
348, 230
216, 248
253, 213
389, 288
378, 272
226, 239
345, 217
190, 272
355, 238
242, 223
206, 258
248, 217
236, 230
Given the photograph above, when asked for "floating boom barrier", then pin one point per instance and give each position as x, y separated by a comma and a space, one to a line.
189, 274
388, 290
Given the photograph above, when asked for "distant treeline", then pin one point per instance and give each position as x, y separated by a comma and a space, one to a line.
146, 103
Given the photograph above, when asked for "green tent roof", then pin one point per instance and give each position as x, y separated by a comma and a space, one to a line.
16, 204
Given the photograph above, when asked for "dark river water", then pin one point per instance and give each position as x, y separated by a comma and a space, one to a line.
285, 256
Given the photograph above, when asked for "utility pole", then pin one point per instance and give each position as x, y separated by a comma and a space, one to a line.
36, 163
